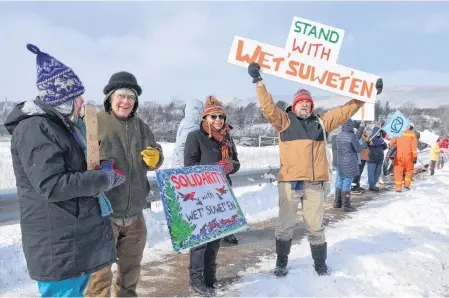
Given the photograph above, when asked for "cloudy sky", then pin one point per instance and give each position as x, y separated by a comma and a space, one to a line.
180, 48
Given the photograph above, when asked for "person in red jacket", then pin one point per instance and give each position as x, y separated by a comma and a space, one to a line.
443, 145
406, 157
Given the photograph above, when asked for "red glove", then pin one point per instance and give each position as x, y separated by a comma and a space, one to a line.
226, 165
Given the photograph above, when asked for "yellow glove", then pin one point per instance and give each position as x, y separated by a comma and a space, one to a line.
150, 156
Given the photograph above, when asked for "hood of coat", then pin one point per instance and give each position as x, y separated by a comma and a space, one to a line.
375, 131
193, 110
28, 109
348, 126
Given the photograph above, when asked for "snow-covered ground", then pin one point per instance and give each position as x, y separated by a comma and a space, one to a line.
257, 203
396, 244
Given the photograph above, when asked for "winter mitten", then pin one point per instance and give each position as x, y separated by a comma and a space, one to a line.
254, 72
379, 86
226, 165
150, 156
115, 176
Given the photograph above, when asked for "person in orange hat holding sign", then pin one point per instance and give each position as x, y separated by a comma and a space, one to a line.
210, 144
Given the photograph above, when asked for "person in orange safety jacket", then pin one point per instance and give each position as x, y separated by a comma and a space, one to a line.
406, 157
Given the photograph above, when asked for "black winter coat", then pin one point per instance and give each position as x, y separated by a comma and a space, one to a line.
63, 232
202, 150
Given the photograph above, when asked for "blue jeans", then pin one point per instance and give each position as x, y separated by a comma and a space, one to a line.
373, 173
72, 287
343, 183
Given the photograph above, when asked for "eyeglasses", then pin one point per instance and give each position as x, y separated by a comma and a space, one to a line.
221, 117
123, 96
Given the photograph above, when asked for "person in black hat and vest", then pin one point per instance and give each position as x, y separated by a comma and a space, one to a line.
129, 141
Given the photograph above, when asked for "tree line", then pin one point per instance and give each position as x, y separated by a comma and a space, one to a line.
249, 123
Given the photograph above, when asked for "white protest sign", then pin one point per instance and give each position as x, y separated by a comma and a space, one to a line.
304, 69
313, 39
365, 113
428, 137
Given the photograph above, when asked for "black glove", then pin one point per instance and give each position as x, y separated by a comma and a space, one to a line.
379, 86
254, 72
415, 159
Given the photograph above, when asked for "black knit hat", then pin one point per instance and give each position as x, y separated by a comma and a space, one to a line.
122, 79
118, 80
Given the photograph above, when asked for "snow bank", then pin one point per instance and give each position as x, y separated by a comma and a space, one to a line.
250, 158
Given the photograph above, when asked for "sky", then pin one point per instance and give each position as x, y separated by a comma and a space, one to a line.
180, 49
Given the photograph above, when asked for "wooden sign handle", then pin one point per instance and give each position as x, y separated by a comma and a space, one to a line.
93, 146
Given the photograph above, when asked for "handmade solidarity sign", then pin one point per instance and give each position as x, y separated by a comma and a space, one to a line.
199, 205
309, 58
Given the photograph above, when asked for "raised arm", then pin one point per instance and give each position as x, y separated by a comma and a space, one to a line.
274, 114
336, 117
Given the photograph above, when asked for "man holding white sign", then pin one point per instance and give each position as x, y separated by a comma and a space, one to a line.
304, 166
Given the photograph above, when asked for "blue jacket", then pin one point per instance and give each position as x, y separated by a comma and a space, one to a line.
347, 148
193, 110
376, 151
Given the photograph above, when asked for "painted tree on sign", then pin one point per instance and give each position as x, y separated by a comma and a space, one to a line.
180, 229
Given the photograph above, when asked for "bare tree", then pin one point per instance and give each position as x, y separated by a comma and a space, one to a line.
408, 108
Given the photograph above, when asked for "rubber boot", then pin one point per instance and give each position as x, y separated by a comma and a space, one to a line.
346, 195
231, 239
319, 255
210, 265
337, 198
282, 251
196, 269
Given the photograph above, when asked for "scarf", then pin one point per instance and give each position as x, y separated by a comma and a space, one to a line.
222, 136
80, 136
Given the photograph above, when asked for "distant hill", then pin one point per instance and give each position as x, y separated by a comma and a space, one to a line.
422, 96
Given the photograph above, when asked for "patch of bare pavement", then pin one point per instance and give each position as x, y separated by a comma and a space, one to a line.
169, 277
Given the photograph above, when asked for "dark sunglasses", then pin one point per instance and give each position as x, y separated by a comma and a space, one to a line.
221, 117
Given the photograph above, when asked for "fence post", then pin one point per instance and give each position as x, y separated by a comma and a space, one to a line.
260, 140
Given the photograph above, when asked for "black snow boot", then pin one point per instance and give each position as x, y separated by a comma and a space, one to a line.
231, 239
319, 255
374, 188
196, 269
210, 265
282, 251
337, 198
347, 202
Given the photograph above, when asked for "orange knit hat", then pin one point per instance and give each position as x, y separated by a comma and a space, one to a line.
212, 106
